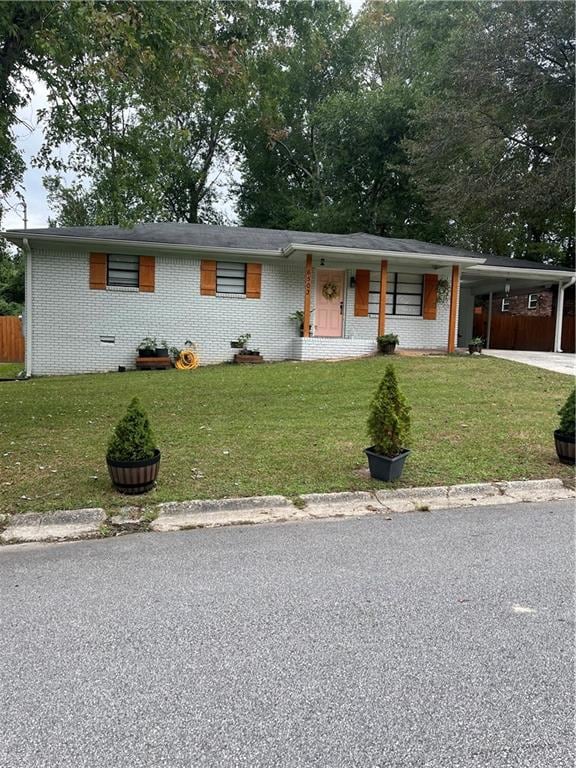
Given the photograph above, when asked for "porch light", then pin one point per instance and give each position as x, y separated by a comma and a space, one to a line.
352, 281
507, 287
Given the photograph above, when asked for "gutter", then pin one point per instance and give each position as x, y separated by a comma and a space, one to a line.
27, 308
560, 313
108, 244
543, 274
331, 250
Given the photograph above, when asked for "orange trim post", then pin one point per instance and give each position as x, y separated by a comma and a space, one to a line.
307, 294
454, 290
382, 303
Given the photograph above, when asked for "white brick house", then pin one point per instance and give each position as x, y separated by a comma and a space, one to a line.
93, 293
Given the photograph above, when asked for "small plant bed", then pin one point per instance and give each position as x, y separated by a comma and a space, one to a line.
248, 357
281, 428
153, 363
245, 355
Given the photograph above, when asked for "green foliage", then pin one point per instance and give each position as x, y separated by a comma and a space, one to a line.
387, 338
132, 439
567, 415
389, 419
11, 283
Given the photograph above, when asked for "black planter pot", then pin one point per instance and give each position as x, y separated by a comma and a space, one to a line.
387, 349
384, 467
161, 351
147, 353
134, 476
564, 446
474, 348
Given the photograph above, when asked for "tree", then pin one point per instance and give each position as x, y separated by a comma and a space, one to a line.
149, 136
311, 56
495, 147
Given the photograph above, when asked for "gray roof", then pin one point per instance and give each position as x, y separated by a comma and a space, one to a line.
256, 239
251, 238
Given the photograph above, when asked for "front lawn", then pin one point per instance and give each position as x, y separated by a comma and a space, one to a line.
287, 428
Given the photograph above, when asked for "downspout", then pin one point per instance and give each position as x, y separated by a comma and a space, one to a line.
560, 314
28, 308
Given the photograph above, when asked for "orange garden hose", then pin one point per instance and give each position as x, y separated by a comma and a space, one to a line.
187, 360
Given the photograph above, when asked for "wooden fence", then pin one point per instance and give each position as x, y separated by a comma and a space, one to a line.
11, 340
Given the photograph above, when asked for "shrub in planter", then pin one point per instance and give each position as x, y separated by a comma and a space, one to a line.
475, 345
389, 429
565, 435
147, 347
387, 343
132, 457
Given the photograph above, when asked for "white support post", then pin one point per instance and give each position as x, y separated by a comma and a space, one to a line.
489, 320
559, 318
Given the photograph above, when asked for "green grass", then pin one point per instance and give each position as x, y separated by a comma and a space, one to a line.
10, 370
288, 428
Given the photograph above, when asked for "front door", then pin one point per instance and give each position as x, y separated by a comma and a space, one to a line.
329, 302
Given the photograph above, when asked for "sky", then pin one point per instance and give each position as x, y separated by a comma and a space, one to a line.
29, 140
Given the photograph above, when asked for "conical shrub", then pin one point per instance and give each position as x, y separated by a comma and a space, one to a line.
132, 440
567, 415
389, 419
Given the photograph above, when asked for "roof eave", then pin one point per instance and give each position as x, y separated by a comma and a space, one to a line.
330, 250
512, 271
106, 244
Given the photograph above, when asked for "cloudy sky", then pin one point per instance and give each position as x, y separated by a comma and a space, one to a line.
30, 140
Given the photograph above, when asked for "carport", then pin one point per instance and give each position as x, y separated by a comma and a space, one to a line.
477, 316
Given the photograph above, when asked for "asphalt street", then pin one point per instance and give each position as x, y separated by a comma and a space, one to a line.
427, 640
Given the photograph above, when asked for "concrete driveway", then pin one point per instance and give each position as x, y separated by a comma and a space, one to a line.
561, 362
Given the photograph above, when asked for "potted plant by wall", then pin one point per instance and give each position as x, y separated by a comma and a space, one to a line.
147, 347
298, 317
476, 345
387, 343
162, 350
565, 435
241, 341
246, 355
132, 457
389, 429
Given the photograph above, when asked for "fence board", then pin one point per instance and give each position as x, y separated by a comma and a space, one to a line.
522, 332
11, 340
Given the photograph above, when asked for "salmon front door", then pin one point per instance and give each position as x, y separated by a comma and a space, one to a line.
329, 302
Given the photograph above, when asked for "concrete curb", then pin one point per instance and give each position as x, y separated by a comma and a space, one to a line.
66, 525
62, 525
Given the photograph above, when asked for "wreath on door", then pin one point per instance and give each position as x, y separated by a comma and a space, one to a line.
330, 290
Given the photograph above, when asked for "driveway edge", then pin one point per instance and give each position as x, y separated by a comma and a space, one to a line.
68, 525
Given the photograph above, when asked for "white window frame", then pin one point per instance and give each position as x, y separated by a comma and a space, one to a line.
223, 289
505, 305
126, 258
534, 296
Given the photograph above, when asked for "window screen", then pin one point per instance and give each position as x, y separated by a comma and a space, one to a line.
123, 270
230, 277
403, 294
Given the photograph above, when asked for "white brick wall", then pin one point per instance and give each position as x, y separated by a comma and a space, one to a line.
325, 349
413, 332
69, 318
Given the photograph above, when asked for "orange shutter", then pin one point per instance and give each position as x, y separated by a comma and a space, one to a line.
362, 292
147, 274
430, 297
207, 278
98, 265
253, 280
